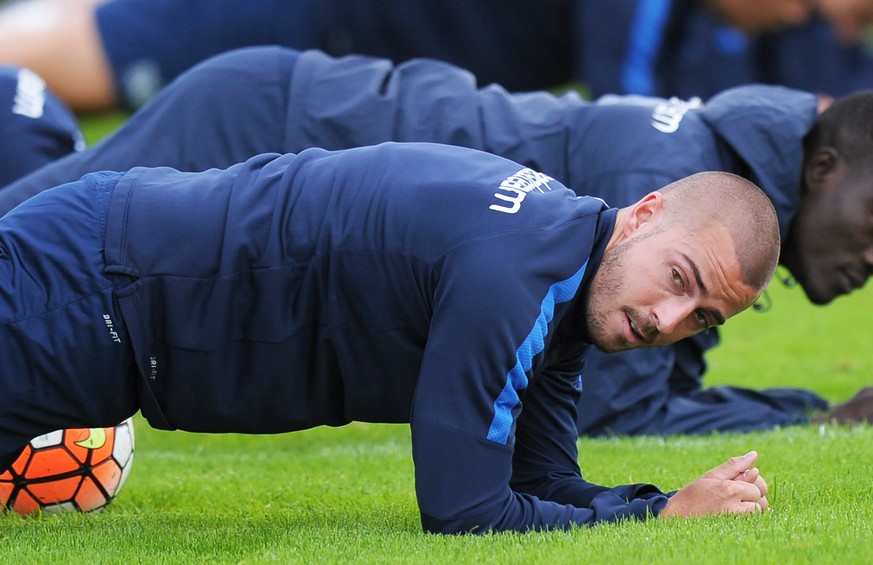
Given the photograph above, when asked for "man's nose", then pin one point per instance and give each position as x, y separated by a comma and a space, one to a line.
672, 316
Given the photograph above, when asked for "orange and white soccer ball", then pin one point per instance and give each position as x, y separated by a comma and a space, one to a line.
69, 470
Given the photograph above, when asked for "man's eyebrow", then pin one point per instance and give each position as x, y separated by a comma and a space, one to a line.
719, 318
696, 272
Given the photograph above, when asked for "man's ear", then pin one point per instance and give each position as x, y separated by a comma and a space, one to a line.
644, 211
819, 166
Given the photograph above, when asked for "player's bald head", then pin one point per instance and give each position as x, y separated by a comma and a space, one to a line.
707, 199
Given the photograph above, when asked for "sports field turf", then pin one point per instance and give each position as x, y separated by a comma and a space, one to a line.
346, 495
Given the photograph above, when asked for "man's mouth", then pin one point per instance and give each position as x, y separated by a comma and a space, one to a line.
635, 330
633, 327
644, 334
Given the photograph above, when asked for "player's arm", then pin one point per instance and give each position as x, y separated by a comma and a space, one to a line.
545, 466
545, 459
466, 402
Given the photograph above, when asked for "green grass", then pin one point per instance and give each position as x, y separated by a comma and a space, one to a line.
827, 349
346, 495
98, 126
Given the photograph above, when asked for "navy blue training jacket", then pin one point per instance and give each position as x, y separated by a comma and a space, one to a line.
523, 44
399, 283
272, 99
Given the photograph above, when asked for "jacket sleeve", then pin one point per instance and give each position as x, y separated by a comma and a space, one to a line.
476, 471
545, 459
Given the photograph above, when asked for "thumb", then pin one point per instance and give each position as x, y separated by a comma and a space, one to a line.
733, 467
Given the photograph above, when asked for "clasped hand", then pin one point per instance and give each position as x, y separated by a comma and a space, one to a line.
734, 487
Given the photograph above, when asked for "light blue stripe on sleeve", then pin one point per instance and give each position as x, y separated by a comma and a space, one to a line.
533, 344
644, 46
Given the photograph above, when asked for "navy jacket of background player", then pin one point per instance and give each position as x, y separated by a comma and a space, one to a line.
435, 285
520, 43
35, 127
226, 109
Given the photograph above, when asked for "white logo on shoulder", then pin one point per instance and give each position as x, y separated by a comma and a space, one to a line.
30, 95
668, 115
513, 190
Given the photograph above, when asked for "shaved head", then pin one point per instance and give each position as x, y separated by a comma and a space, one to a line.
707, 199
681, 260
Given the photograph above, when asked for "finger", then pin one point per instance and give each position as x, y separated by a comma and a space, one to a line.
749, 475
746, 492
762, 485
745, 507
764, 503
733, 467
753, 476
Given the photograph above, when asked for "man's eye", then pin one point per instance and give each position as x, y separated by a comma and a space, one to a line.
677, 278
701, 319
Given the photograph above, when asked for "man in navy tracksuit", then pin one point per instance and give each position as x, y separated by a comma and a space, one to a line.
35, 127
270, 99
430, 284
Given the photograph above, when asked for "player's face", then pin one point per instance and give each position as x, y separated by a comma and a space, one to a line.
849, 18
665, 285
829, 248
758, 16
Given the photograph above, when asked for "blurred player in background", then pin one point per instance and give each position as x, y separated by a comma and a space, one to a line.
699, 48
102, 54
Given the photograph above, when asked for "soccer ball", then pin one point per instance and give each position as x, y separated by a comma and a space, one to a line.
69, 470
